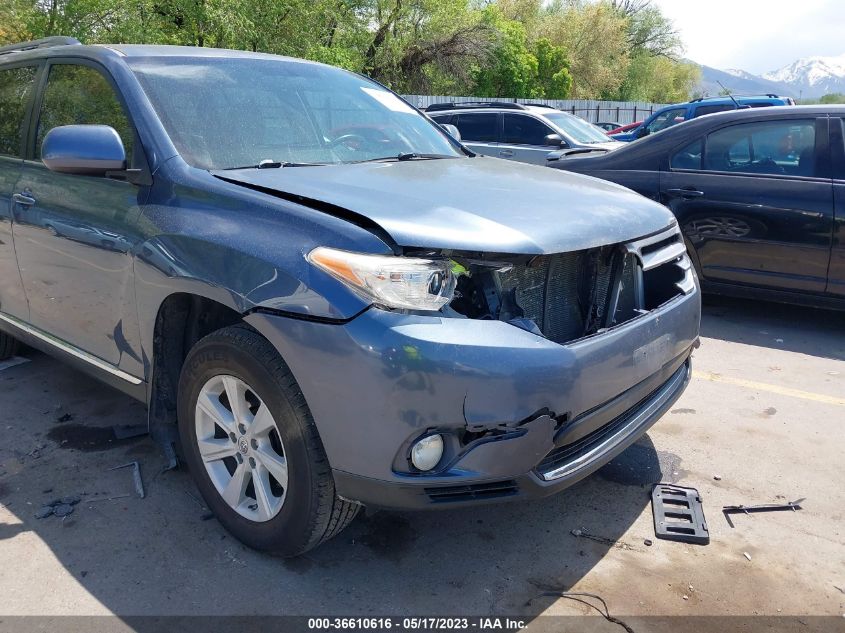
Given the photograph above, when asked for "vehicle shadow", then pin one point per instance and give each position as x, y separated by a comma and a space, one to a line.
163, 555
793, 328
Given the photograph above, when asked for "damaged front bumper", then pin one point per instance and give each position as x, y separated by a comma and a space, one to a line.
523, 416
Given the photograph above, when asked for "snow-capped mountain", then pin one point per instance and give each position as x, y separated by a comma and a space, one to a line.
814, 76
811, 77
742, 74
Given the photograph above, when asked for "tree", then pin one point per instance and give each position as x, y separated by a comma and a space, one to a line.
553, 74
512, 71
595, 39
834, 97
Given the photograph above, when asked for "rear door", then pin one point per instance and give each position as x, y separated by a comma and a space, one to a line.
479, 131
524, 139
17, 85
836, 274
755, 200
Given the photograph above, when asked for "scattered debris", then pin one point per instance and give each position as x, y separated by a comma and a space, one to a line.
206, 516
747, 555
63, 509
60, 507
582, 533
840, 589
686, 597
678, 514
717, 477
580, 596
125, 431
765, 507
170, 456
648, 542
110, 498
67, 417
136, 475
44, 512
197, 501
778, 340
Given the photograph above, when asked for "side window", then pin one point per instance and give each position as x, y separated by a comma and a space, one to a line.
81, 95
689, 157
442, 118
710, 109
666, 119
768, 147
15, 90
477, 126
525, 130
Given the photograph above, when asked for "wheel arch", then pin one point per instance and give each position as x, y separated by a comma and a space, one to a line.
182, 319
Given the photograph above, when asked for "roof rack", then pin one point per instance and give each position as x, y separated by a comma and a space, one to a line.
506, 105
769, 96
540, 105
45, 42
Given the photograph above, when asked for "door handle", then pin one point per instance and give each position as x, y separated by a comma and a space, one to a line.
506, 153
23, 199
686, 192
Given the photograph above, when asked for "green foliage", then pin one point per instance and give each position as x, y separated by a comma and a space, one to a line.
512, 48
553, 74
834, 97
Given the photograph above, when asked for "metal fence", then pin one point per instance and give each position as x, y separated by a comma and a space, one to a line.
593, 111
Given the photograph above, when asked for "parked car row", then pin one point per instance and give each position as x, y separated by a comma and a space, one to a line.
755, 185
672, 115
524, 133
324, 299
759, 195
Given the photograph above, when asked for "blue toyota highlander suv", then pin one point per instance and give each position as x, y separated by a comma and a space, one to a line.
325, 300
674, 114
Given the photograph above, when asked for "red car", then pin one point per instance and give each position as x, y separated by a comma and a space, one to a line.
626, 128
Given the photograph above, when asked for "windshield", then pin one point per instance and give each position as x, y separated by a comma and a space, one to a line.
577, 129
229, 113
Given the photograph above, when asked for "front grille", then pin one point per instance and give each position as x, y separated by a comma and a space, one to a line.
571, 295
473, 492
567, 295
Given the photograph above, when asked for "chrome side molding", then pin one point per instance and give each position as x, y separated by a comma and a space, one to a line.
69, 349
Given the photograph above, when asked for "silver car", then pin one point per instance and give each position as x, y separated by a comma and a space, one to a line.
526, 133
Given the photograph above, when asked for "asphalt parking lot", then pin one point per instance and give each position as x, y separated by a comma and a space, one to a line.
762, 422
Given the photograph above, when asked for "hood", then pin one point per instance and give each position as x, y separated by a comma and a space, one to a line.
472, 204
609, 145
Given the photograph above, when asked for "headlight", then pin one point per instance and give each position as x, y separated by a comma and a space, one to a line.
396, 282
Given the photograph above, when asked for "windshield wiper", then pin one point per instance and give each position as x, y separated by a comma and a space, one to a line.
403, 156
273, 164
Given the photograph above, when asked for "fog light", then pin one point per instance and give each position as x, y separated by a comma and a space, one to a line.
426, 453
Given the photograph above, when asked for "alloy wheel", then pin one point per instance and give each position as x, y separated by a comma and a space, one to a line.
241, 448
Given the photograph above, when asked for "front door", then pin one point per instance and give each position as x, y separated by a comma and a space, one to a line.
74, 234
755, 200
524, 139
16, 90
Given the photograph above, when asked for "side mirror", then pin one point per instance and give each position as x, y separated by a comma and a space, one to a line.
641, 132
553, 140
91, 150
451, 130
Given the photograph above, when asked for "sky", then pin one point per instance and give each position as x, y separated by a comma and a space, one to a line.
757, 35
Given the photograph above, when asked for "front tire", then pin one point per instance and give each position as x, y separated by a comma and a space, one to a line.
8, 346
252, 446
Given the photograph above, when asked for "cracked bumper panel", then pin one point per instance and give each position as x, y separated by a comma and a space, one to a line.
376, 382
